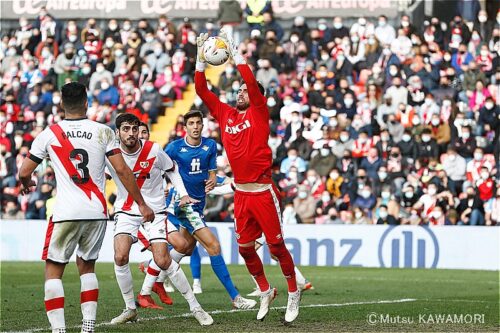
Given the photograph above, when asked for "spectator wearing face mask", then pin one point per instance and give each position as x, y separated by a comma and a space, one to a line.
305, 205
322, 160
440, 131
464, 143
371, 163
428, 148
385, 218
98, 76
489, 114
362, 145
266, 73
289, 184
471, 208
475, 165
384, 32
478, 97
293, 160
455, 167
408, 147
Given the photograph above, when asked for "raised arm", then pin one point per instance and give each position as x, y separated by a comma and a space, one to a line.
211, 100
257, 99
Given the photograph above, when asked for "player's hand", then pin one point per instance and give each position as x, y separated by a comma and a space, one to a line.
186, 200
229, 41
147, 213
27, 189
209, 185
200, 40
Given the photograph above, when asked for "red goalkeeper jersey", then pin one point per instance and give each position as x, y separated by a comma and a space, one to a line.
244, 134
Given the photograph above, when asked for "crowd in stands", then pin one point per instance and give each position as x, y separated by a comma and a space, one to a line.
375, 122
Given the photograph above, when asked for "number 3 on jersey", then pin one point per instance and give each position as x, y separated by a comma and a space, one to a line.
81, 156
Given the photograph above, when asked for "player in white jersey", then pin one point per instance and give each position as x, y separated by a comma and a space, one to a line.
148, 163
78, 149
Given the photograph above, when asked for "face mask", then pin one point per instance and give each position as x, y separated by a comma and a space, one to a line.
365, 194
409, 195
311, 179
406, 138
235, 86
435, 122
56, 99
334, 175
11, 52
149, 39
325, 57
112, 27
485, 175
382, 175
355, 39
104, 86
341, 57
16, 85
437, 214
292, 175
431, 191
358, 215
489, 105
466, 135
325, 198
99, 69
482, 18
405, 24
294, 39
333, 123
426, 138
337, 25
110, 43
348, 102
271, 102
72, 38
383, 214
324, 152
86, 70
317, 86
145, 70
447, 57
292, 157
163, 24
18, 141
150, 88
287, 102
33, 99
40, 121
302, 195
478, 156
416, 121
192, 39
385, 195
119, 53
384, 138
126, 27
344, 137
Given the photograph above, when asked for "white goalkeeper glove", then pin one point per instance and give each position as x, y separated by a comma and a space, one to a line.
233, 51
200, 59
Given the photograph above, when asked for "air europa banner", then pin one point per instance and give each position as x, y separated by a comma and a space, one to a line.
452, 247
106, 9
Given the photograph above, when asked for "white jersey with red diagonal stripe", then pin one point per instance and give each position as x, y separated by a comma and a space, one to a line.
148, 164
78, 150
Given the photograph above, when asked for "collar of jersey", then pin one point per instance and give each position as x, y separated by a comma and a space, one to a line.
185, 141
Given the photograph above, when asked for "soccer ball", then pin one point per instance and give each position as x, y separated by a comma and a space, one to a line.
215, 51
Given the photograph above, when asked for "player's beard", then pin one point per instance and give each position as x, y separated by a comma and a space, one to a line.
241, 105
130, 142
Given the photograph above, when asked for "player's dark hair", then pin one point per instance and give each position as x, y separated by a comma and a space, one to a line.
144, 125
126, 118
74, 96
193, 114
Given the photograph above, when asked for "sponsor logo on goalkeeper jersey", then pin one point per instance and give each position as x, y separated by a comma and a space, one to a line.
238, 128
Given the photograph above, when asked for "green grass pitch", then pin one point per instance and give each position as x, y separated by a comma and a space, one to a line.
343, 300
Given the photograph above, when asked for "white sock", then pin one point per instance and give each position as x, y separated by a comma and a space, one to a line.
299, 277
176, 255
126, 284
54, 304
88, 296
179, 280
152, 273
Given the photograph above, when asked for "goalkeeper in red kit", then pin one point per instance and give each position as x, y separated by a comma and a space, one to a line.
244, 133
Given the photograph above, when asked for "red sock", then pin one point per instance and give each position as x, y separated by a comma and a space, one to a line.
254, 266
286, 262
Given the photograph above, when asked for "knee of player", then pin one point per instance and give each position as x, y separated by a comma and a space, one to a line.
277, 250
164, 262
213, 249
121, 259
246, 251
182, 246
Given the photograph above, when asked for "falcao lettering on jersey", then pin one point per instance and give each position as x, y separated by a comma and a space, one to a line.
237, 128
79, 135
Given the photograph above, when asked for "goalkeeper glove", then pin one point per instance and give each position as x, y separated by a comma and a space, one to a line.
233, 51
200, 59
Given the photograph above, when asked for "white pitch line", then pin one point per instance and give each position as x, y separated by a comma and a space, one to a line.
215, 312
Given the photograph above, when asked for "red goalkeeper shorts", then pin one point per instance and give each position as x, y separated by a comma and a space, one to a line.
256, 213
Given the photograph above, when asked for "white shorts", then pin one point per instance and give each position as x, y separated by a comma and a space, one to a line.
63, 237
155, 231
